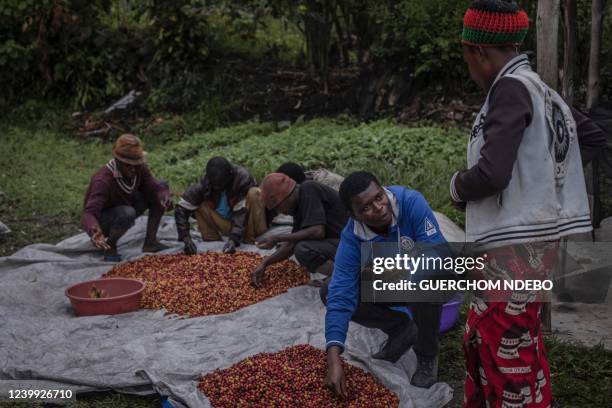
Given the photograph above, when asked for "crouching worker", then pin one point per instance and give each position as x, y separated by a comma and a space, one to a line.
226, 201
380, 214
120, 192
318, 218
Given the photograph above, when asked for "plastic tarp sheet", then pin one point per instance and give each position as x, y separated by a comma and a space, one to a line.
149, 351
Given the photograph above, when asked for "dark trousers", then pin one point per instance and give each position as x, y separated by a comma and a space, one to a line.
314, 253
122, 217
392, 322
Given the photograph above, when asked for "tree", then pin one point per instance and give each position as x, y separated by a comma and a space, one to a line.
318, 20
547, 27
594, 83
570, 40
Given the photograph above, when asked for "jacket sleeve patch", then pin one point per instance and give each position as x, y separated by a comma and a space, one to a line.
430, 227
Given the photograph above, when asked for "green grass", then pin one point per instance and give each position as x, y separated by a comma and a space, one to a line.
451, 366
44, 175
47, 173
581, 376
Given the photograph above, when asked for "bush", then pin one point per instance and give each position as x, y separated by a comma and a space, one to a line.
92, 52
424, 34
18, 47
65, 49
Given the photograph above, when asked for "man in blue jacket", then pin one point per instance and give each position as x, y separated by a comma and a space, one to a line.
379, 214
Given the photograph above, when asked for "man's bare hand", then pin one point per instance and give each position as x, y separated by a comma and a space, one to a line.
166, 202
258, 275
229, 247
267, 243
335, 380
190, 247
99, 240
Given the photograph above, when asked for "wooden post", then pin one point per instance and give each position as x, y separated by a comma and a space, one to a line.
547, 26
569, 49
594, 84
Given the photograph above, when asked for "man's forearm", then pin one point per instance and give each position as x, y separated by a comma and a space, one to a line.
181, 216
333, 352
282, 253
163, 191
314, 232
239, 219
333, 357
89, 223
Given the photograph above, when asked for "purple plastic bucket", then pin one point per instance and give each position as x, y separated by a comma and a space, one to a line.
450, 314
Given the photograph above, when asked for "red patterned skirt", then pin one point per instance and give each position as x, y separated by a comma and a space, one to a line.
506, 362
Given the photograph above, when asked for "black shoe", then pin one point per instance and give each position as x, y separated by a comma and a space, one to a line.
395, 346
426, 373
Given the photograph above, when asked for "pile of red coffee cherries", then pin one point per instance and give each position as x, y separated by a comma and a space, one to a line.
207, 283
294, 377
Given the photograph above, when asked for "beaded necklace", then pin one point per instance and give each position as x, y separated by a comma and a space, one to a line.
127, 188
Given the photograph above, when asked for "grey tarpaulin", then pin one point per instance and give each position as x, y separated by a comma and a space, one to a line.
145, 351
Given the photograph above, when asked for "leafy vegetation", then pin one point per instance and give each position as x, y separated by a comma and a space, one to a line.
163, 48
176, 51
423, 157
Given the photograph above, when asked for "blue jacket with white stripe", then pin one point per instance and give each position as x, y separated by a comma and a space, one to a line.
413, 219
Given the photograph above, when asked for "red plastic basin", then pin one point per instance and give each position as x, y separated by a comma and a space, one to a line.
122, 295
